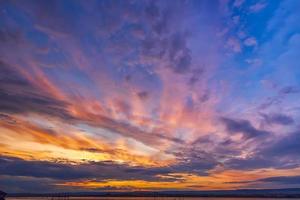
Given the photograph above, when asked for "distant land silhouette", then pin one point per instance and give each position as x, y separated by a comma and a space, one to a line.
2, 195
267, 193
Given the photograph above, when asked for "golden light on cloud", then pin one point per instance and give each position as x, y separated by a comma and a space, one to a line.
226, 180
77, 147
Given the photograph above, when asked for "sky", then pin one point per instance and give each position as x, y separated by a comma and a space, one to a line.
149, 95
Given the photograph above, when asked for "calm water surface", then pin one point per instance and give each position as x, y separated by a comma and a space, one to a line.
149, 198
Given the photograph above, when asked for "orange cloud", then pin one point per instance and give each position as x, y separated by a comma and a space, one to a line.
71, 145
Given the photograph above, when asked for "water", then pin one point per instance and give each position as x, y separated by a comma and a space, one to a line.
146, 198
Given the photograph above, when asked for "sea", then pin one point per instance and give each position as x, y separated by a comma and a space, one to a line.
145, 198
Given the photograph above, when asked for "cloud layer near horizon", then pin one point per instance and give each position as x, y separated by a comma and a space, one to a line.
151, 95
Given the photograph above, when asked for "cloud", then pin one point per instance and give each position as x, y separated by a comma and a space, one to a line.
106, 170
40, 169
244, 127
278, 119
172, 50
251, 41
257, 7
7, 119
287, 146
198, 163
24, 184
8, 36
289, 90
250, 163
143, 95
281, 179
256, 62
281, 153
291, 181
238, 3
62, 171
281, 95
194, 158
179, 54
234, 45
18, 95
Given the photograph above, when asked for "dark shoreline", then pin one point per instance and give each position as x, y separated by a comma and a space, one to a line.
265, 193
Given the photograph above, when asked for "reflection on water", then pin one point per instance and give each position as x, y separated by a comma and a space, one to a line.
146, 198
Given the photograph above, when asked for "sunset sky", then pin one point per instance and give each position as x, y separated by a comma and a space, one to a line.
149, 95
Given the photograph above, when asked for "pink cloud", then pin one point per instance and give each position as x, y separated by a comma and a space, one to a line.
234, 45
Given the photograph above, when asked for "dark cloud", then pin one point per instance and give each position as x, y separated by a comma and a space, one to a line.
10, 166
244, 127
282, 179
287, 146
287, 180
289, 90
93, 150
221, 150
193, 162
143, 95
278, 119
255, 162
17, 95
40, 169
281, 95
193, 159
24, 184
281, 153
